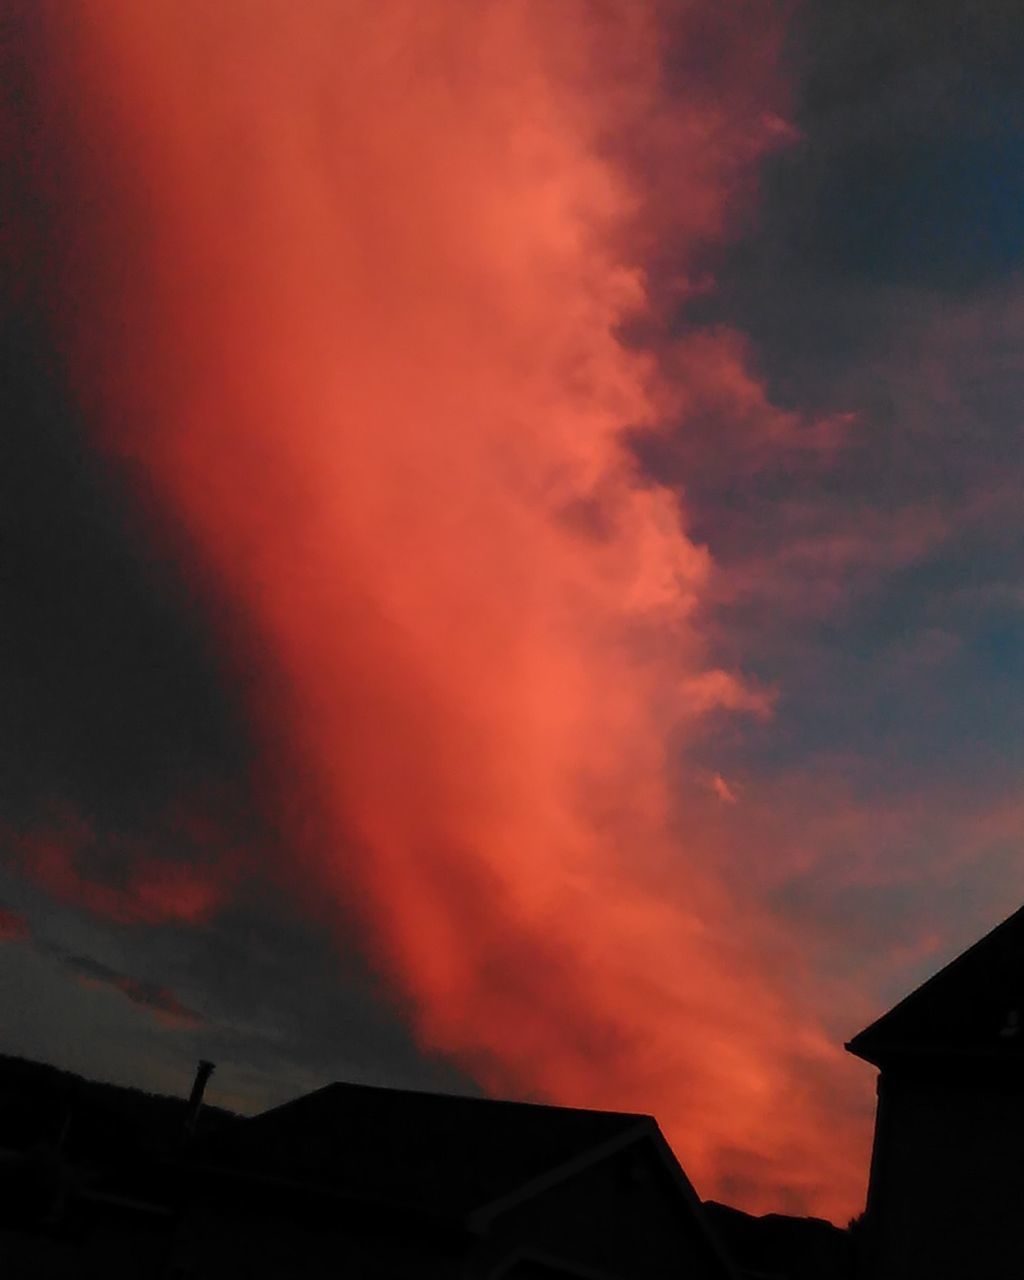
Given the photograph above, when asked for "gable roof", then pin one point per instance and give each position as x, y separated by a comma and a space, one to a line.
440, 1154
455, 1162
973, 1008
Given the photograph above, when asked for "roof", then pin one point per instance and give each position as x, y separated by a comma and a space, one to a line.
437, 1153
973, 1008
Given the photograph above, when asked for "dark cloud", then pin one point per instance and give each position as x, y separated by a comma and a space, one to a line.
261, 989
877, 583
117, 701
127, 800
12, 926
905, 181
113, 699
150, 995
124, 757
910, 167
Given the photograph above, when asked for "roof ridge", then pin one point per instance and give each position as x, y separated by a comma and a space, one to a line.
445, 1095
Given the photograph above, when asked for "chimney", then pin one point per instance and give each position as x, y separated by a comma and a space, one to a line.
203, 1072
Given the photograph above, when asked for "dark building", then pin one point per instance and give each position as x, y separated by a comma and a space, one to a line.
946, 1194
433, 1185
347, 1181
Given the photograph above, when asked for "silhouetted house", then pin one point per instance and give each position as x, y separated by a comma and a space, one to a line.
431, 1185
946, 1194
347, 1181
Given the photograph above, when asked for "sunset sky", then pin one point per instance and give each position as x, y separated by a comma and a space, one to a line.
511, 560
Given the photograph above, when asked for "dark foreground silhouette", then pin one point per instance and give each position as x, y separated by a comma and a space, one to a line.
946, 1195
354, 1181
386, 1184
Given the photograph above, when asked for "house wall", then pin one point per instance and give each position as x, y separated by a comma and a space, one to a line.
624, 1217
217, 1244
947, 1184
117, 1253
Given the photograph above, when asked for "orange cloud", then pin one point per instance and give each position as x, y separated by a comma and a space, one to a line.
347, 284
723, 691
721, 788
707, 376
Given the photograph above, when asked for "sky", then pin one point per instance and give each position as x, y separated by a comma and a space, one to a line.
510, 565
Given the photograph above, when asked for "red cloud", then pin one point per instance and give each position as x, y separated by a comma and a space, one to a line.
13, 927
352, 281
129, 879
724, 691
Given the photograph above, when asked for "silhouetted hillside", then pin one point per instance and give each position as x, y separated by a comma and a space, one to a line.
41, 1105
778, 1247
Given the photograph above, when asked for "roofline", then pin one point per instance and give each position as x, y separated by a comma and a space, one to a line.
849, 1046
478, 1218
678, 1175
646, 1128
883, 1056
442, 1093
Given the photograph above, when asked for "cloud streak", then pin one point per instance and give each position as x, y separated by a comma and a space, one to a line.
151, 996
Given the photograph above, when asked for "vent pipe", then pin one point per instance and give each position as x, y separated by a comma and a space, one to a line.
195, 1102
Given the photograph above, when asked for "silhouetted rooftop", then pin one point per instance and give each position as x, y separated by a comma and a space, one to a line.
974, 1007
437, 1153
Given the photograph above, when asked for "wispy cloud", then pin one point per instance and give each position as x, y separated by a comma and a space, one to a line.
151, 996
